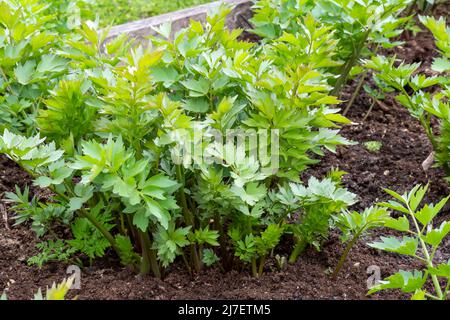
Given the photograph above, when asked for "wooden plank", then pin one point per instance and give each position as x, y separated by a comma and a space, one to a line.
180, 19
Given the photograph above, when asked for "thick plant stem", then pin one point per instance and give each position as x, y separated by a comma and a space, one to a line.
254, 268
349, 65
189, 219
262, 262
196, 261
355, 94
149, 260
299, 248
344, 255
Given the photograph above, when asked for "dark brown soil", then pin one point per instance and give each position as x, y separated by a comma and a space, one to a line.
397, 166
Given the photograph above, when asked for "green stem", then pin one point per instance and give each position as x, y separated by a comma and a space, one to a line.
435, 280
345, 254
355, 93
195, 259
254, 268
431, 296
262, 262
299, 248
189, 219
349, 65
186, 262
149, 260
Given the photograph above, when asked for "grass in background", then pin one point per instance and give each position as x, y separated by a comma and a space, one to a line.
113, 12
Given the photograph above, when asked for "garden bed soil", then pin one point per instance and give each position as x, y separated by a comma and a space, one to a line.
397, 166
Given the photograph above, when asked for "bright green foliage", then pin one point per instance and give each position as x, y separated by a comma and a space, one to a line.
354, 225
373, 146
30, 153
116, 114
318, 202
209, 257
441, 33
113, 169
87, 238
51, 251
42, 216
423, 103
423, 241
357, 27
252, 248
69, 114
126, 251
170, 242
30, 35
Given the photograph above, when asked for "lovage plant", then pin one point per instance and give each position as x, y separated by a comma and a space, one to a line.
182, 148
424, 97
422, 242
359, 27
31, 33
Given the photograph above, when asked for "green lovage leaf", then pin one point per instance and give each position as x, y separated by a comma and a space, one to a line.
355, 222
51, 63
434, 237
24, 72
269, 239
83, 194
204, 235
407, 281
197, 88
416, 195
394, 205
57, 172
441, 270
169, 242
30, 152
406, 245
400, 224
325, 189
209, 257
429, 211
251, 193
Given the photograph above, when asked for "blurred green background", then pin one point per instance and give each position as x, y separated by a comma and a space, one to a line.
121, 11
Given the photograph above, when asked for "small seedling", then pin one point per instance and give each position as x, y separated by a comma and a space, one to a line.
373, 146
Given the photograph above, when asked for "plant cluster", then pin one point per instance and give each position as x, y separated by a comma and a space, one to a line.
345, 31
191, 146
425, 97
113, 119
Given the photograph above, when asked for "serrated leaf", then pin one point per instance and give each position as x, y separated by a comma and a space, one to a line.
24, 73
406, 245
405, 280
400, 224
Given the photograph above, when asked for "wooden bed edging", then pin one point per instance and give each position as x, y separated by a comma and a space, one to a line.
180, 19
